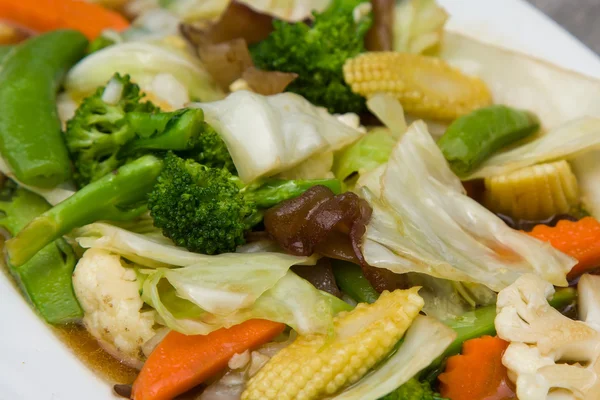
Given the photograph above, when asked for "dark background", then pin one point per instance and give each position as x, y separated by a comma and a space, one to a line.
580, 17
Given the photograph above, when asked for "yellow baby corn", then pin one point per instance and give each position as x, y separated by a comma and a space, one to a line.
533, 193
314, 366
427, 87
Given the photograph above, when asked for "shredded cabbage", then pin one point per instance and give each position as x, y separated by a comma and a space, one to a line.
424, 222
285, 129
425, 340
144, 62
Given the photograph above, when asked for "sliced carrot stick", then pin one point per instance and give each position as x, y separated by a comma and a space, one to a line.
477, 373
47, 15
182, 362
579, 239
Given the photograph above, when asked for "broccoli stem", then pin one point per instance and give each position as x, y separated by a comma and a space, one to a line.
119, 196
480, 322
179, 130
274, 192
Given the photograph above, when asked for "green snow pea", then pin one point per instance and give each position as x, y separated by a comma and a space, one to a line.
350, 279
30, 131
474, 137
45, 278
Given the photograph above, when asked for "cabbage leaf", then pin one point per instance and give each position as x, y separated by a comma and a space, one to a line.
425, 340
566, 141
149, 66
270, 134
567, 103
366, 154
424, 222
418, 25
211, 292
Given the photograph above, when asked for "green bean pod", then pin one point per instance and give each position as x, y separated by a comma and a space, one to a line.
474, 137
30, 131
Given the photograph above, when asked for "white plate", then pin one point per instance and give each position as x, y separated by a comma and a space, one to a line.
35, 365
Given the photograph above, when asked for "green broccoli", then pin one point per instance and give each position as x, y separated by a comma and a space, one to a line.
317, 54
118, 196
413, 390
209, 210
103, 136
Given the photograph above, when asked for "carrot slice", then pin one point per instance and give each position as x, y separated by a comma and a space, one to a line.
579, 239
47, 15
182, 362
477, 373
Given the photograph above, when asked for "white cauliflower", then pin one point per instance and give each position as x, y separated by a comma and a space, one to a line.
550, 356
110, 298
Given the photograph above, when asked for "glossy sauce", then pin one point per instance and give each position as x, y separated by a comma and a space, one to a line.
86, 348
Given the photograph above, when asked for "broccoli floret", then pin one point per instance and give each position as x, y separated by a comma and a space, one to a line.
105, 134
317, 54
209, 210
210, 151
413, 390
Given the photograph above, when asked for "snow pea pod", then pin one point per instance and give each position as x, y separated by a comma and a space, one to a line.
472, 138
30, 131
45, 278
350, 279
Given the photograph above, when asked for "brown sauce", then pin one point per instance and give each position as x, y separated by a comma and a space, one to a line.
86, 348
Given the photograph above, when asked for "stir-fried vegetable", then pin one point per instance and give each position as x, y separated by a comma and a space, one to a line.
118, 197
480, 322
425, 340
114, 125
30, 76
285, 129
579, 239
319, 366
45, 278
318, 52
409, 77
49, 15
477, 373
208, 210
533, 193
364, 155
170, 73
472, 138
547, 350
182, 362
413, 390
423, 222
352, 282
108, 290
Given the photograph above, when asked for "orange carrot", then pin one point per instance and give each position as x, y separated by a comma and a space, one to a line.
47, 15
477, 373
579, 239
182, 362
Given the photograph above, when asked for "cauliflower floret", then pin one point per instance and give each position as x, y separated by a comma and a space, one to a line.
110, 298
550, 356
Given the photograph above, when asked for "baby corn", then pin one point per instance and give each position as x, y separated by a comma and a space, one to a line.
533, 193
314, 366
427, 87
